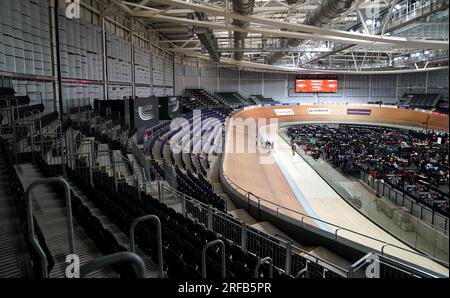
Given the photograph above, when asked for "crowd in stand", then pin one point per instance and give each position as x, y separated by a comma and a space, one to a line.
414, 161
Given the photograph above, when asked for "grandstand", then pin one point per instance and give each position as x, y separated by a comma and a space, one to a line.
175, 139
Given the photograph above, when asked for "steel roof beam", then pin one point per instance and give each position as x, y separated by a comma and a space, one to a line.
324, 32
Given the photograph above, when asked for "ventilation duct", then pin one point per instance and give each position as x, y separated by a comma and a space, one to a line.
206, 37
244, 7
323, 14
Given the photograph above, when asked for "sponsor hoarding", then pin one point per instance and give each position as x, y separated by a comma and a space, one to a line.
364, 112
319, 111
284, 112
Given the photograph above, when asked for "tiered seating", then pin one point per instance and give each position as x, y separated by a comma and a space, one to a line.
56, 263
199, 99
261, 100
6, 91
80, 109
196, 188
233, 99
123, 207
46, 120
183, 239
14, 100
7, 97
421, 101
11, 235
25, 111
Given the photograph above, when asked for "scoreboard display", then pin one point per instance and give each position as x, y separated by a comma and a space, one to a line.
313, 86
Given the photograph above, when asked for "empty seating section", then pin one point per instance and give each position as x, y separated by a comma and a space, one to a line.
8, 98
11, 100
199, 189
46, 120
199, 99
233, 99
182, 237
102, 174
7, 91
24, 111
49, 224
261, 100
422, 101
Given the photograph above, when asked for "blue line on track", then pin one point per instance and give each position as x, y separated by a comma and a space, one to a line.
309, 210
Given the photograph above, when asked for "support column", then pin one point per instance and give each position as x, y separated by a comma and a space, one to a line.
54, 28
104, 59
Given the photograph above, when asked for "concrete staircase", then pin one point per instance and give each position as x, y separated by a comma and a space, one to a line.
13, 256
50, 213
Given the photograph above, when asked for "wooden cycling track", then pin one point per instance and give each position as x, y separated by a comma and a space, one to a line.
279, 177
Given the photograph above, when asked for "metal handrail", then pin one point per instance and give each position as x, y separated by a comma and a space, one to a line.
304, 271
208, 245
134, 259
29, 209
244, 192
159, 238
205, 206
266, 260
104, 149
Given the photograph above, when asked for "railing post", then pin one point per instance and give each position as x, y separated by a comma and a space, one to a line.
136, 183
205, 248
183, 205
304, 272
263, 261
210, 220
116, 185
63, 147
160, 191
92, 160
15, 140
159, 239
32, 128
324, 273
244, 237
259, 209
287, 267
91, 173
30, 220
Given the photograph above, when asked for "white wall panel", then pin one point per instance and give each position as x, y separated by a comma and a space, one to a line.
228, 85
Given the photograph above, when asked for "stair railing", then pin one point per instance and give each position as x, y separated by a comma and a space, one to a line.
30, 222
205, 248
266, 260
159, 238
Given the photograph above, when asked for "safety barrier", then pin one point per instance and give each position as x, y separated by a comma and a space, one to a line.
402, 199
430, 240
30, 220
251, 240
258, 204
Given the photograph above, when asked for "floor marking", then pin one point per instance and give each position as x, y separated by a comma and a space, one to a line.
309, 210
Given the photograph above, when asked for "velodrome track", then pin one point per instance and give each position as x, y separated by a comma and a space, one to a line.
289, 181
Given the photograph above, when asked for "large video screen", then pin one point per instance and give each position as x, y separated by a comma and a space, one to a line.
312, 86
